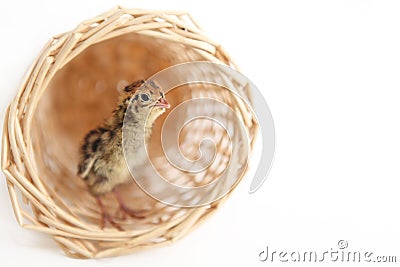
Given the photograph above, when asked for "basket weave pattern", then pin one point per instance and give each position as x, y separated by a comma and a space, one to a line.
65, 94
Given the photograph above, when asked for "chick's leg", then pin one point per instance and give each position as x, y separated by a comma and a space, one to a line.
106, 217
124, 209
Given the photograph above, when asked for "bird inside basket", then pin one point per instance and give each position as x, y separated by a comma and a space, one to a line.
102, 165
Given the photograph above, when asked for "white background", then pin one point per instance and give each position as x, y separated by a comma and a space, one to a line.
329, 71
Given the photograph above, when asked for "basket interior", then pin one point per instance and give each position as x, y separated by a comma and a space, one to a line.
83, 93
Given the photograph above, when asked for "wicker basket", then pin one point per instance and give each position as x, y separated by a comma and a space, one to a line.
69, 90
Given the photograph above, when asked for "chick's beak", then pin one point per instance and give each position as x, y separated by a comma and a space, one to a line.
162, 103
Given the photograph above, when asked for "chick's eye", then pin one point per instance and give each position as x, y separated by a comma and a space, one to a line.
145, 97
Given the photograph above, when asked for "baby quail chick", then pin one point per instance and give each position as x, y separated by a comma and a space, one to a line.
103, 166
